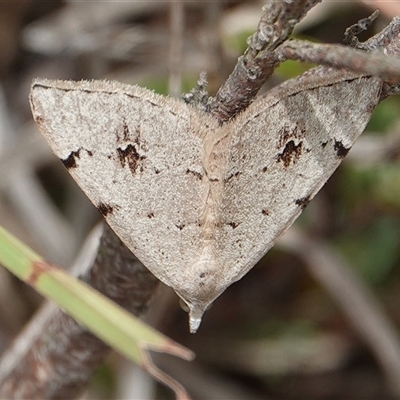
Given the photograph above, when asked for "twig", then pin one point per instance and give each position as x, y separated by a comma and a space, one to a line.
350, 35
259, 60
339, 56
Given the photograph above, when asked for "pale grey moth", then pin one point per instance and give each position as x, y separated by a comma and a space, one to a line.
197, 203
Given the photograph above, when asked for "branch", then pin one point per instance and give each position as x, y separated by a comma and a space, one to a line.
259, 60
350, 35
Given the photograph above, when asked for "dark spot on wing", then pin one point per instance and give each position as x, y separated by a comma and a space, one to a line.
125, 128
235, 175
234, 225
203, 275
70, 161
180, 227
303, 202
291, 132
290, 153
105, 209
129, 156
150, 215
198, 175
264, 212
38, 119
341, 151
323, 144
265, 169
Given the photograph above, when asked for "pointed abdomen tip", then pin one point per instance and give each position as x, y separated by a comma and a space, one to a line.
194, 324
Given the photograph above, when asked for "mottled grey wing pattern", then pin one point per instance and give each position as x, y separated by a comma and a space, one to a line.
282, 150
137, 156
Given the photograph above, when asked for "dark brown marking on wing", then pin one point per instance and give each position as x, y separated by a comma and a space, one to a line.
341, 151
303, 202
70, 161
290, 153
198, 175
105, 209
129, 156
234, 225
234, 175
125, 128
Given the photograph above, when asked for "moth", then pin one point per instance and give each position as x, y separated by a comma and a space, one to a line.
198, 203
